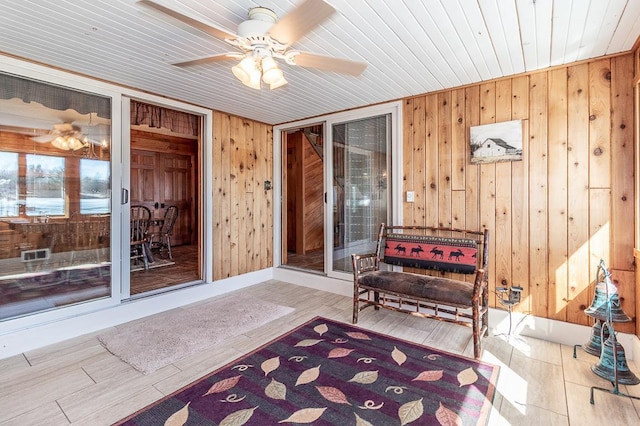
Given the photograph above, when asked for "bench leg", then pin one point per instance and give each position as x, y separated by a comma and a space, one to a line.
356, 304
376, 298
477, 329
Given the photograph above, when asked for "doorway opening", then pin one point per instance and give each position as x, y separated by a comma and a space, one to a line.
303, 217
165, 154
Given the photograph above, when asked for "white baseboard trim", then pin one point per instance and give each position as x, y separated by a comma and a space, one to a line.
27, 339
555, 331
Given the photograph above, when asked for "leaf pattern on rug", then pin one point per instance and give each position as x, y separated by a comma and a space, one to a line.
429, 376
365, 377
410, 411
358, 335
339, 352
333, 394
276, 390
270, 365
447, 417
238, 418
417, 389
321, 329
361, 422
398, 356
467, 377
308, 376
179, 417
306, 415
223, 385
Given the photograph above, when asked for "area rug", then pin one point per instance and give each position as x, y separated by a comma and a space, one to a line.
160, 340
329, 373
157, 263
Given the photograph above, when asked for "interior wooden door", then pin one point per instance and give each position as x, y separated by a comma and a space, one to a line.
144, 182
160, 180
176, 176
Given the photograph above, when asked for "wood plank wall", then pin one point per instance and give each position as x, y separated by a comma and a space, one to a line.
242, 209
556, 213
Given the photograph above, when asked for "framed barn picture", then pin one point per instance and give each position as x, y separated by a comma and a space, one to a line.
496, 142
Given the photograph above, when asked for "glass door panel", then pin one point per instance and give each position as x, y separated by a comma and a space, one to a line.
360, 195
55, 189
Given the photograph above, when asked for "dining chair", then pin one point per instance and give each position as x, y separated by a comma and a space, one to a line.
139, 225
162, 240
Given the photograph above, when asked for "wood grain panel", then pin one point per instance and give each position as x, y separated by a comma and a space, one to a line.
242, 158
553, 213
407, 159
558, 222
538, 187
445, 158
488, 183
578, 192
622, 175
520, 194
429, 179
503, 195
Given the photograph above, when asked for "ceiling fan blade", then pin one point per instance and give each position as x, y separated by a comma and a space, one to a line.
329, 63
44, 138
209, 29
300, 21
209, 59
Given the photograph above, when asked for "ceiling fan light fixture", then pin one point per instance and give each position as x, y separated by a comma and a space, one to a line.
67, 143
270, 71
244, 70
279, 83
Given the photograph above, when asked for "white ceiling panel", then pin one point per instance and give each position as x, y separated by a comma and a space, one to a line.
411, 47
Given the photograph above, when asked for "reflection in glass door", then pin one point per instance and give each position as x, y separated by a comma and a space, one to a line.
360, 188
55, 193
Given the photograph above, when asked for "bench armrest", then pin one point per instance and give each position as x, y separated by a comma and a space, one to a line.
364, 263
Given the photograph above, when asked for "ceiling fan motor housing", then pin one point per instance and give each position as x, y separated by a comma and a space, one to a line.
260, 21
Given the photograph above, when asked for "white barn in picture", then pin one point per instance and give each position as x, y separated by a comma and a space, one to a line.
496, 142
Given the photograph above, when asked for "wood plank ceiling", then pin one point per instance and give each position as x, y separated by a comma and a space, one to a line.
411, 47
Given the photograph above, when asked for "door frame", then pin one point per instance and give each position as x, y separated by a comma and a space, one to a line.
204, 191
393, 108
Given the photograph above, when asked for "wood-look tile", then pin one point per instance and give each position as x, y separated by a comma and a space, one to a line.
41, 390
106, 415
529, 415
608, 409
48, 414
536, 383
13, 365
539, 349
77, 405
67, 355
455, 336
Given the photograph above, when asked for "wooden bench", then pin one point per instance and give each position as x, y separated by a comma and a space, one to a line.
447, 255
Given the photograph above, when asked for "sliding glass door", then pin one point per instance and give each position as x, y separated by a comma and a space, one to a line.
360, 195
55, 197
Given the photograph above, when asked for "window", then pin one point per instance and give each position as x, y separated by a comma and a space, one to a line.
8, 184
45, 186
94, 186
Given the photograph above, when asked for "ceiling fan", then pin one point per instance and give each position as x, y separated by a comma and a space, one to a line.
68, 137
263, 38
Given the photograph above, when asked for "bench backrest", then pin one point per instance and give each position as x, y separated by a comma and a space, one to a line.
413, 246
